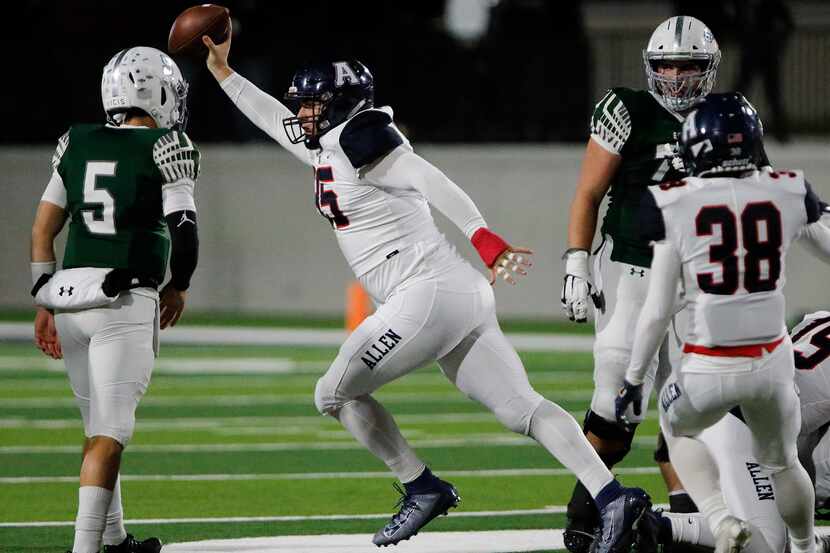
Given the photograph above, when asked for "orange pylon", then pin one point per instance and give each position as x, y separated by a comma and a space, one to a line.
358, 305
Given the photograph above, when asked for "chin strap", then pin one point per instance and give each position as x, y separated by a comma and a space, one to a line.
489, 245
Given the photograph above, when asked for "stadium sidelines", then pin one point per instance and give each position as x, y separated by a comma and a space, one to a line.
247, 336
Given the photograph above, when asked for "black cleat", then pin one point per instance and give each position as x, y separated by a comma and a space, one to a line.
619, 520
649, 532
131, 545
578, 541
415, 512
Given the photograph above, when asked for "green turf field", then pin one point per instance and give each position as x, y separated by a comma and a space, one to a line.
213, 443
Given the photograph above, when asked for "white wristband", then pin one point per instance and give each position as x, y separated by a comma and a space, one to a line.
40, 268
576, 264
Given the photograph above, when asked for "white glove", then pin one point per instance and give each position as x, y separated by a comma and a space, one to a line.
577, 287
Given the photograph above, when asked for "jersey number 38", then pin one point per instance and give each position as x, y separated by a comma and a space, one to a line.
762, 257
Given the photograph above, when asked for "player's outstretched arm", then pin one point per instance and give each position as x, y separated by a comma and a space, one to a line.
264, 111
404, 169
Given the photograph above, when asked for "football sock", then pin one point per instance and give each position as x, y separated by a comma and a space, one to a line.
795, 502
373, 426
582, 512
92, 518
558, 432
690, 528
424, 483
115, 533
680, 502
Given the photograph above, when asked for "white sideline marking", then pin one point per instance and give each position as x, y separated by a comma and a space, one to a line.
494, 541
235, 335
492, 440
551, 510
487, 473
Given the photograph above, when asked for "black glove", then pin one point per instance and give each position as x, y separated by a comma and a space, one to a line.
628, 394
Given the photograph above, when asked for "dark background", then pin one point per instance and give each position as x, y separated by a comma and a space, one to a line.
527, 78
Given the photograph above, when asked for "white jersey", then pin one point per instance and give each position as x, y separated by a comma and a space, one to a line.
732, 236
368, 183
811, 345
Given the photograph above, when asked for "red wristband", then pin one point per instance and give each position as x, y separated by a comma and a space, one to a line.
489, 245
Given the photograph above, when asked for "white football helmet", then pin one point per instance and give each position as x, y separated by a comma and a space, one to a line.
682, 38
147, 79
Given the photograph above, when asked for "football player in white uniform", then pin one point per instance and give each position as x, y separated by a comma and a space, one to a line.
432, 305
723, 235
746, 485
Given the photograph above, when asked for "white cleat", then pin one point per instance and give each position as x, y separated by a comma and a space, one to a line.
732, 535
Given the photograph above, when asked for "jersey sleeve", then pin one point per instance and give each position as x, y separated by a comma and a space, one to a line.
611, 123
368, 136
652, 224
63, 144
177, 159
813, 205
264, 111
55, 192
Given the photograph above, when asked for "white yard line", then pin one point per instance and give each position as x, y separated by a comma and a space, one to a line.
242, 336
501, 439
488, 473
493, 541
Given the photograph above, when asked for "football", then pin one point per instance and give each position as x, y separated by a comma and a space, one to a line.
189, 27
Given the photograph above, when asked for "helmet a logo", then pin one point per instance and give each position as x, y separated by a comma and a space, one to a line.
343, 74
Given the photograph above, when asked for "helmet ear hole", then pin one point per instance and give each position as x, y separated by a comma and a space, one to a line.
163, 96
130, 75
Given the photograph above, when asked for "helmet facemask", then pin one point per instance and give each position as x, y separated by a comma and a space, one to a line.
318, 120
680, 93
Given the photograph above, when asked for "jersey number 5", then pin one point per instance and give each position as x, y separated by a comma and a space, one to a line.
761, 251
100, 218
326, 200
820, 340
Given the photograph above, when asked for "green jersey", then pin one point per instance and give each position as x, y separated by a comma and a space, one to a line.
634, 125
114, 180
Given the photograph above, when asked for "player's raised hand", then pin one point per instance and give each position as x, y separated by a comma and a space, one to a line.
217, 59
46, 335
511, 264
171, 305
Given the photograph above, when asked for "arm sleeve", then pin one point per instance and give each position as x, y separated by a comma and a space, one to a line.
184, 255
816, 238
178, 161
404, 169
611, 123
264, 111
55, 192
657, 312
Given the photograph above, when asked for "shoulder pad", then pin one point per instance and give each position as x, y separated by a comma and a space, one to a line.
611, 120
652, 226
368, 136
176, 157
63, 143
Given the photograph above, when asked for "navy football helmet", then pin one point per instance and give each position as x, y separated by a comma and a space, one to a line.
722, 135
337, 90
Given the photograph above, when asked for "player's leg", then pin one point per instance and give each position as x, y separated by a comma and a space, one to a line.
623, 288
415, 327
121, 357
486, 368
775, 419
689, 403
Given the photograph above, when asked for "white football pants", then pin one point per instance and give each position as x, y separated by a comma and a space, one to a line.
624, 288
109, 353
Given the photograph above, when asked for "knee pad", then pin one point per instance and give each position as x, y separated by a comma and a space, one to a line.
517, 413
621, 435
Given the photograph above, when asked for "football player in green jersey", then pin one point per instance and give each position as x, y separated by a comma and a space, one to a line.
633, 145
127, 190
